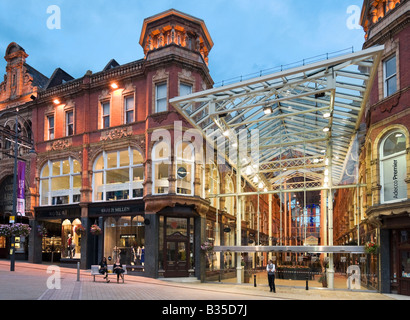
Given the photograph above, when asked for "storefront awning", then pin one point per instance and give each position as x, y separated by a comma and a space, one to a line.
302, 123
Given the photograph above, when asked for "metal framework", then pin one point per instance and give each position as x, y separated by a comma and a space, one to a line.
302, 123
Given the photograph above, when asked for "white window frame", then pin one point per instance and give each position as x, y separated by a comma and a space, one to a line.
126, 111
104, 116
386, 79
161, 99
50, 136
70, 193
130, 185
68, 124
163, 183
381, 166
190, 163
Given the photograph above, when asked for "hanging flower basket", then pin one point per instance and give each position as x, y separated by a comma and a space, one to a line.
41, 231
79, 230
207, 246
20, 230
95, 230
371, 247
5, 230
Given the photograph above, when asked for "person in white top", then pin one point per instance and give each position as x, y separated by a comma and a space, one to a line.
270, 268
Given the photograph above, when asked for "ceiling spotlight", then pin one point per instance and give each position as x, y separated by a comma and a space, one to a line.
226, 133
327, 129
267, 110
326, 115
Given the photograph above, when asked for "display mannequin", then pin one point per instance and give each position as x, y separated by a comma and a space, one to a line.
69, 242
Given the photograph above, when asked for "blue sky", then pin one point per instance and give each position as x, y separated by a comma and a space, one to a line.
248, 35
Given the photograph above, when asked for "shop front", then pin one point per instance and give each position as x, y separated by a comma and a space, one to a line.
123, 233
60, 231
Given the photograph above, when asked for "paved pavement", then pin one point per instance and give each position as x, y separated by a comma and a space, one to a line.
44, 282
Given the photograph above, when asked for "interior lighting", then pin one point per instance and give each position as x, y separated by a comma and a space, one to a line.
327, 129
267, 110
326, 115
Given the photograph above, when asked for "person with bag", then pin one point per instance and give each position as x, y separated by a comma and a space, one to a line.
104, 268
270, 268
118, 269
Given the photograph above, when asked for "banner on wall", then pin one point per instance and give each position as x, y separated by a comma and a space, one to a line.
21, 199
394, 173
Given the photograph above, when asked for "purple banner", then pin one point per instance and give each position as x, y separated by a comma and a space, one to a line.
21, 177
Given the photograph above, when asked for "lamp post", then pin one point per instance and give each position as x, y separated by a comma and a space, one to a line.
29, 144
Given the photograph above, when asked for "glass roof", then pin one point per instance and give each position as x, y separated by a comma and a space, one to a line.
302, 122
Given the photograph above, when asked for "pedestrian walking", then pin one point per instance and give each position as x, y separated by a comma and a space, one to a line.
271, 268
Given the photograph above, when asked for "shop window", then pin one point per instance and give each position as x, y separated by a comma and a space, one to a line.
71, 239
60, 182
393, 168
118, 175
390, 76
125, 237
160, 167
185, 168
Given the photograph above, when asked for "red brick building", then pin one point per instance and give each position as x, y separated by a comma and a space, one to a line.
112, 152
385, 161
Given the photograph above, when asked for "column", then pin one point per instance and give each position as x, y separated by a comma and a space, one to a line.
151, 244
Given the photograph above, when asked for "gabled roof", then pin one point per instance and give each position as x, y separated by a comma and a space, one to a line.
313, 124
111, 64
59, 77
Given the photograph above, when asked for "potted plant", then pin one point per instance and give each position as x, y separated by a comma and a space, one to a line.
95, 230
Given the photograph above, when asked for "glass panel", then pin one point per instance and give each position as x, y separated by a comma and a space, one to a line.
44, 192
60, 183
66, 167
394, 173
184, 178
161, 100
56, 168
185, 89
177, 225
129, 116
391, 85
181, 252
124, 158
171, 250
137, 157
76, 166
77, 181
112, 160
395, 143
138, 174
99, 164
117, 195
45, 172
118, 176
390, 67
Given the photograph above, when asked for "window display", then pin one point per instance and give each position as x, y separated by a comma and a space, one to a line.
125, 237
71, 239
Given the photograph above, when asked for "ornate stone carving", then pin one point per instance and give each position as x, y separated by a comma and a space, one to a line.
116, 133
59, 145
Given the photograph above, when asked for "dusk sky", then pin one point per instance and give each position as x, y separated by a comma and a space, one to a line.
248, 35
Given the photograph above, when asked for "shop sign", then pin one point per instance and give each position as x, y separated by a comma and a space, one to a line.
115, 209
394, 173
58, 213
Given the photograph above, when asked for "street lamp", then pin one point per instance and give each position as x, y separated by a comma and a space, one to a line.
25, 143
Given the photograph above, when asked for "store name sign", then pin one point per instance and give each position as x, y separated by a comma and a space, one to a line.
394, 172
115, 209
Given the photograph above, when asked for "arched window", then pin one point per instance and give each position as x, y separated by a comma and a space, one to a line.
185, 168
118, 175
160, 166
60, 182
393, 168
214, 184
229, 201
